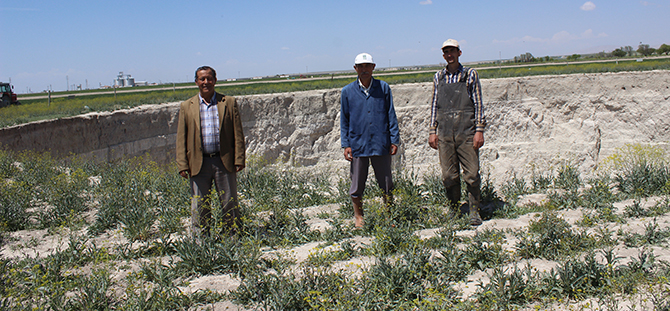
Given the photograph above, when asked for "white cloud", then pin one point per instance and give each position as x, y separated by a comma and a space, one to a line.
588, 6
588, 34
426, 2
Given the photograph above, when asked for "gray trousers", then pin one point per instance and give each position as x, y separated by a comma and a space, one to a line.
359, 174
226, 186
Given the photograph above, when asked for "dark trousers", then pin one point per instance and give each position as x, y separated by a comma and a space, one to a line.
359, 174
226, 186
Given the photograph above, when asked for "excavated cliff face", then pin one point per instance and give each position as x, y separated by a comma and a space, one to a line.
533, 121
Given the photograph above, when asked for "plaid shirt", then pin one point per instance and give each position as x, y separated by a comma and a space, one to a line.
474, 91
209, 125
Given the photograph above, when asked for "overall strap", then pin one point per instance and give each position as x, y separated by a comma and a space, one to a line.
466, 74
440, 75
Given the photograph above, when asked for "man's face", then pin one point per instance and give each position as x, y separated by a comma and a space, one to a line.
205, 82
451, 54
364, 71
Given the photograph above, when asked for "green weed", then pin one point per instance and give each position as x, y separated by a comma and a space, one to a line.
551, 237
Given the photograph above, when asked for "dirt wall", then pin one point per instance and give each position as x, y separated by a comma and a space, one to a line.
537, 121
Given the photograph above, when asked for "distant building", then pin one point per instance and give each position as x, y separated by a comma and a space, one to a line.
122, 81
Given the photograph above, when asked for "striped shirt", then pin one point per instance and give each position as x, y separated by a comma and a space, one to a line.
209, 125
474, 91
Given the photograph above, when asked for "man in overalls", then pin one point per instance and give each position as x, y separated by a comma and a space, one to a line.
457, 125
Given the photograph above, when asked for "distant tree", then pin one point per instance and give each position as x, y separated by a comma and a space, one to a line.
619, 52
547, 58
645, 50
628, 49
663, 49
574, 57
524, 58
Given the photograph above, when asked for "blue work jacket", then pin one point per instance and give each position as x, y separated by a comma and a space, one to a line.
368, 123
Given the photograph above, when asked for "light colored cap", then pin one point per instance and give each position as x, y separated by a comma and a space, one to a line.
363, 58
450, 42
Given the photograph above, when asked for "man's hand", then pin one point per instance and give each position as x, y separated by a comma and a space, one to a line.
394, 149
478, 140
432, 141
239, 167
347, 154
184, 173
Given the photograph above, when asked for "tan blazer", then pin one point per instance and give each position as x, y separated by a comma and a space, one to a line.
189, 140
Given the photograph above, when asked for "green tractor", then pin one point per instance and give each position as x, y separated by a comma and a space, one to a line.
8, 96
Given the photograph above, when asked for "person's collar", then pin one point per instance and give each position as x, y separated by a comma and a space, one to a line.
459, 69
212, 100
372, 79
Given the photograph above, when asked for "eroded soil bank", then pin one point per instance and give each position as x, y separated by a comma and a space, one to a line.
532, 121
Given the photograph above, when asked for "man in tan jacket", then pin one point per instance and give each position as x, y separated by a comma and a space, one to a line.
210, 147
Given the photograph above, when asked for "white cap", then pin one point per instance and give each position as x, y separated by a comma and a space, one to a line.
363, 58
450, 42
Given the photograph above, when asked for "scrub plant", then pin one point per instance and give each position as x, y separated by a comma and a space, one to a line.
451, 266
434, 189
397, 282
95, 295
540, 180
485, 250
210, 255
336, 232
41, 191
568, 177
661, 207
65, 198
392, 237
514, 188
319, 288
636, 210
599, 195
573, 278
279, 227
576, 278
274, 186
15, 200
639, 170
597, 201
488, 190
551, 237
7, 167
653, 235
142, 198
344, 251
154, 287
508, 288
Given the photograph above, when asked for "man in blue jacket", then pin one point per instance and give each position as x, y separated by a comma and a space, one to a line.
368, 131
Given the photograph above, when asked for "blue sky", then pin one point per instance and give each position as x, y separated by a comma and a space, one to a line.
43, 42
